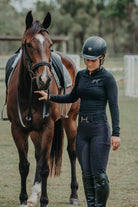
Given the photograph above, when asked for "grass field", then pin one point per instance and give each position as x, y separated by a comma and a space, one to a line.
122, 168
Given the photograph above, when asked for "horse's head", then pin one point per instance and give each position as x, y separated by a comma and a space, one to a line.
36, 47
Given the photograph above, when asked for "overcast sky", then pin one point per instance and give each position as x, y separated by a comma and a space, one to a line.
28, 4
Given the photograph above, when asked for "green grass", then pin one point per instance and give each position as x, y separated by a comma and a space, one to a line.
122, 167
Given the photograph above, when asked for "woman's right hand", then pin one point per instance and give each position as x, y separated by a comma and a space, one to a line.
43, 94
115, 142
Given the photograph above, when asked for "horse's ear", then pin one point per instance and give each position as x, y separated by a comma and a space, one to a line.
29, 20
47, 21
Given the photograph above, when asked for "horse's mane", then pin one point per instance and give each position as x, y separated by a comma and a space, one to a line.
32, 31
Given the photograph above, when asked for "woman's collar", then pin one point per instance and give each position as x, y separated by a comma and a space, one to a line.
94, 71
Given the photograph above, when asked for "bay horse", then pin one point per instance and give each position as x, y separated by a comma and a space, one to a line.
28, 117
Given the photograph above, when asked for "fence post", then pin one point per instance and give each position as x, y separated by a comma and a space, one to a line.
131, 75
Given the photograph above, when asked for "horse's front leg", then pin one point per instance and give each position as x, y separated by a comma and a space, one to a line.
70, 125
46, 143
21, 141
36, 189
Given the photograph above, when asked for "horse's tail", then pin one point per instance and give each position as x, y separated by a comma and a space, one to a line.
57, 149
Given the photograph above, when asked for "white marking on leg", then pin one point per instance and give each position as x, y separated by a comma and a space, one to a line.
40, 38
23, 205
36, 189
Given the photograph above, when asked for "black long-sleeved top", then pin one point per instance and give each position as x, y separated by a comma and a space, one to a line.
94, 91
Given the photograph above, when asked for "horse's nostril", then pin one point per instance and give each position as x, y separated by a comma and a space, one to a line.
50, 78
42, 78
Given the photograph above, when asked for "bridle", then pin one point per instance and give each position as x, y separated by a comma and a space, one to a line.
31, 68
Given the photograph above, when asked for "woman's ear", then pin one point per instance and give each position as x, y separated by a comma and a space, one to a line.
102, 59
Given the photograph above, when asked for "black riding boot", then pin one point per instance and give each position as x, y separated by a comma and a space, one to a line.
89, 190
101, 189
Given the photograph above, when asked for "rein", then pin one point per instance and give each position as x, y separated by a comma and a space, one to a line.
31, 69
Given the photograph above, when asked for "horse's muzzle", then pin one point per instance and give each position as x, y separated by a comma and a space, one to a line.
44, 82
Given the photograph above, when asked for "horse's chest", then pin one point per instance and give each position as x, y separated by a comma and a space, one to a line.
37, 119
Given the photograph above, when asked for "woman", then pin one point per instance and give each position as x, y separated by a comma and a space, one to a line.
94, 86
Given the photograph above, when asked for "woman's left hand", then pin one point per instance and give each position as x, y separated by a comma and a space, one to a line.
43, 94
115, 142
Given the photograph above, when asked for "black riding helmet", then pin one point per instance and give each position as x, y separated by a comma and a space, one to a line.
93, 48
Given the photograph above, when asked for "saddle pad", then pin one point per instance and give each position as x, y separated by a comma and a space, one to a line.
60, 72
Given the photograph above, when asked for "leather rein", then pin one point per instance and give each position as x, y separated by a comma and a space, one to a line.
31, 69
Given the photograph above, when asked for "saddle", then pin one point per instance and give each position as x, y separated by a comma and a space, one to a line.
60, 72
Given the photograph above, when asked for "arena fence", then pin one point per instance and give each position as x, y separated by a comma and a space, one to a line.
131, 75
75, 59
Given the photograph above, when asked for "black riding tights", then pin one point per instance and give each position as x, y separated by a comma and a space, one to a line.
93, 146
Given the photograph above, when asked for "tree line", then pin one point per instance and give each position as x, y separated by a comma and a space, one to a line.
114, 20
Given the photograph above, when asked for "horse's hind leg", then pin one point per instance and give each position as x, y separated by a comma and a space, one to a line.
21, 141
36, 189
70, 126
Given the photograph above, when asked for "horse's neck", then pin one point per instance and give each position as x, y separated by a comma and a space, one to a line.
24, 80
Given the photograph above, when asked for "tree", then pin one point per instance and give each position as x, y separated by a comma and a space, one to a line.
10, 24
100, 6
81, 13
114, 20
132, 23
114, 12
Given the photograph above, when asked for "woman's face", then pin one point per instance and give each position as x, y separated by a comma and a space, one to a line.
92, 64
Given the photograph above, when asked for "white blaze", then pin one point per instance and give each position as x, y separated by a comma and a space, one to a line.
40, 38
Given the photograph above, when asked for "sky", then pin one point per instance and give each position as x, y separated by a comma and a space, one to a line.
27, 4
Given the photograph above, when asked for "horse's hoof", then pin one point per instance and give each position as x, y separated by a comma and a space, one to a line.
31, 203
74, 201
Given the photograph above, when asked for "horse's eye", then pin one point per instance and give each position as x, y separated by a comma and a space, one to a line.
29, 44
